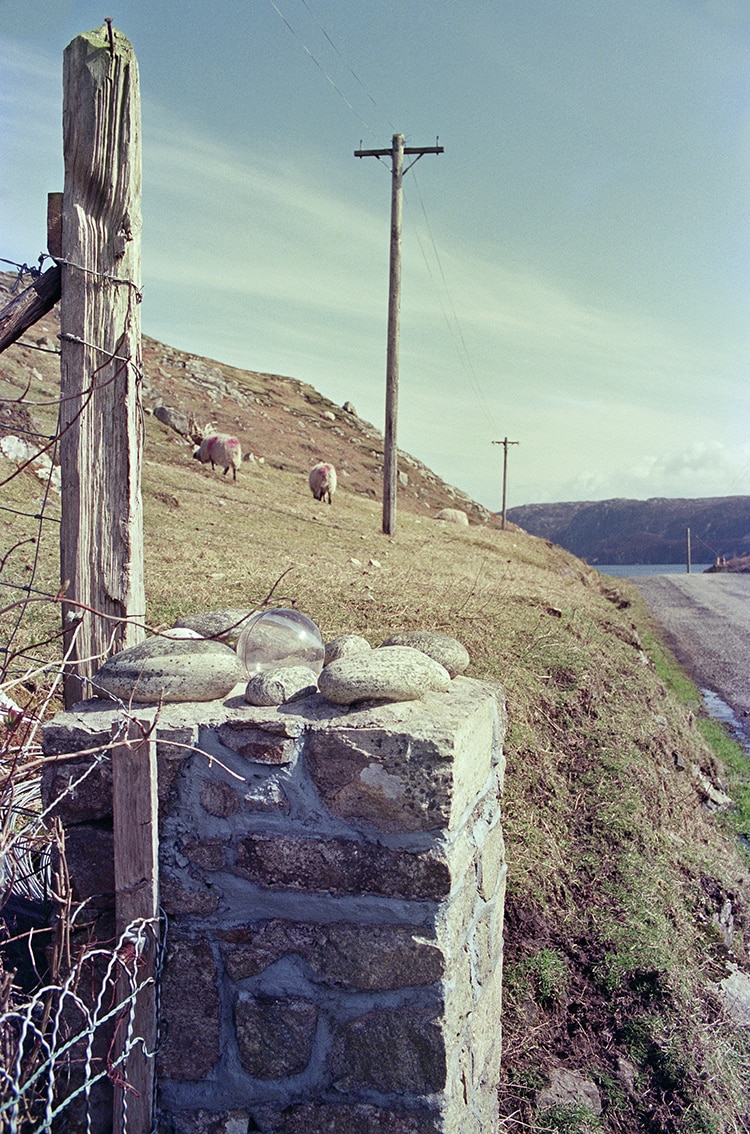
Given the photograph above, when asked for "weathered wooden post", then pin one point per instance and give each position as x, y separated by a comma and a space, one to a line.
101, 534
136, 851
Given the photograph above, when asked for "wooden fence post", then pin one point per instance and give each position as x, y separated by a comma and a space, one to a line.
136, 834
101, 533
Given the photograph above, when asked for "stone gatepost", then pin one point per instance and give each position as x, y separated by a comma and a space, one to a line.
334, 884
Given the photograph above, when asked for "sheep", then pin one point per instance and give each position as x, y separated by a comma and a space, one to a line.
322, 481
220, 449
453, 516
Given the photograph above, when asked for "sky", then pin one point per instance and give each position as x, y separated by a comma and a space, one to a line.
575, 265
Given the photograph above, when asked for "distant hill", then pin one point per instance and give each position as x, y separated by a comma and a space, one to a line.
642, 531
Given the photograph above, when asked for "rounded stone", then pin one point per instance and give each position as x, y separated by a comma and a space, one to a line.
449, 652
390, 673
345, 645
170, 669
223, 624
277, 686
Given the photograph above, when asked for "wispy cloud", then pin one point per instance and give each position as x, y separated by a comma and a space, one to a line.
267, 259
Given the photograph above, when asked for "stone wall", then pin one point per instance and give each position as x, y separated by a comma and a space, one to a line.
334, 885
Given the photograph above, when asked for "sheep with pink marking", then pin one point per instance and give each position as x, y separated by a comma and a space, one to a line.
322, 481
222, 450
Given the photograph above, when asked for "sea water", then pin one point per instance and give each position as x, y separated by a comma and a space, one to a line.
625, 570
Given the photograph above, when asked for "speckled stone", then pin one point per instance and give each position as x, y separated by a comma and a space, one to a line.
449, 652
170, 669
735, 992
345, 645
390, 673
224, 624
285, 683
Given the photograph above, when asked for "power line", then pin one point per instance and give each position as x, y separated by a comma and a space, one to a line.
320, 66
454, 328
450, 316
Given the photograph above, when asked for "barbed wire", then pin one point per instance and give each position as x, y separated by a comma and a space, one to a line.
137, 289
31, 1086
29, 515
25, 269
62, 1038
34, 346
47, 1037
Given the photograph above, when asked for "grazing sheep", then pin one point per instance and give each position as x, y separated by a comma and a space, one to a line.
222, 450
452, 515
322, 481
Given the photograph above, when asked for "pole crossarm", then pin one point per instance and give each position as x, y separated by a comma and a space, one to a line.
407, 150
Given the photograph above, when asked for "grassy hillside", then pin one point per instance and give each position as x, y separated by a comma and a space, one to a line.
621, 868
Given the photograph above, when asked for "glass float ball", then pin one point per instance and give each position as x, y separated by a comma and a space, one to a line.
275, 638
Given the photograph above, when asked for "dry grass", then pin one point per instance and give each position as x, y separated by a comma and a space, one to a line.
617, 869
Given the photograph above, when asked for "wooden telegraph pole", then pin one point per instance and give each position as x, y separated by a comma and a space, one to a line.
101, 531
390, 447
505, 443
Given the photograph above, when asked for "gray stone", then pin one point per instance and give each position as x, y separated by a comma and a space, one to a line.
347, 643
372, 957
173, 418
274, 1034
447, 651
223, 624
168, 669
267, 797
714, 798
90, 863
210, 1122
179, 900
358, 767
735, 993
342, 866
257, 744
568, 1088
390, 1050
219, 799
277, 686
390, 673
76, 792
190, 1010
343, 1118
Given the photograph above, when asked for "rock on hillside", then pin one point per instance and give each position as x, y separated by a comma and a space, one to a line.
285, 422
642, 531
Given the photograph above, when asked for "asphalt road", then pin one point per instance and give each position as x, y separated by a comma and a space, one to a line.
706, 619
